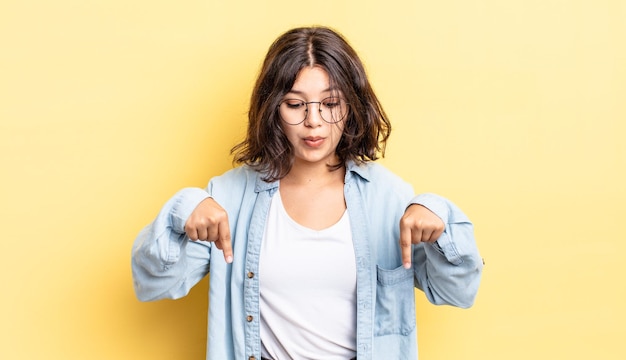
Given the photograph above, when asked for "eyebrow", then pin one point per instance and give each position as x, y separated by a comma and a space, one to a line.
298, 92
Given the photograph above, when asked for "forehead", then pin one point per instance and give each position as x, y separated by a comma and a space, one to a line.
311, 80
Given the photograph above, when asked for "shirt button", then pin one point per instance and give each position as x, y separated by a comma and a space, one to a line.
249, 318
250, 275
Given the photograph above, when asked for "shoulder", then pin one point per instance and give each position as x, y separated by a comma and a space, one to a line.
235, 180
238, 174
380, 179
375, 173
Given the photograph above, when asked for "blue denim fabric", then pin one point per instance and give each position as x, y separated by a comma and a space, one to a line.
165, 264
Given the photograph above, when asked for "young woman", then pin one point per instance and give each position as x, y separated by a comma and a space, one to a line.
319, 247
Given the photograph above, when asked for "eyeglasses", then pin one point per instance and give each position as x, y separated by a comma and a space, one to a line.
294, 111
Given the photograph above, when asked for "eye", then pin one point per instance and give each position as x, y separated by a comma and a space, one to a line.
331, 102
294, 103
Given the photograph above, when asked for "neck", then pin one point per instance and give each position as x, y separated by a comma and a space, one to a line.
318, 174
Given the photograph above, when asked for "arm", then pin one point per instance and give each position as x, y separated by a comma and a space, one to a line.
447, 263
165, 264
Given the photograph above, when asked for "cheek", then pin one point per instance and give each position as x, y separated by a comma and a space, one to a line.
291, 136
288, 134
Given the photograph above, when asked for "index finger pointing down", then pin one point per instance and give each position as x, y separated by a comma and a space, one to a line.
224, 240
405, 246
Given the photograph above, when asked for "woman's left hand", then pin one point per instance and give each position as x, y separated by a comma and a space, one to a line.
418, 225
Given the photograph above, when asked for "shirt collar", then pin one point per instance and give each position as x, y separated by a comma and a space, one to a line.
352, 171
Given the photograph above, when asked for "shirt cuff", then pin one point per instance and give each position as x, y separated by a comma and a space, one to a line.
434, 203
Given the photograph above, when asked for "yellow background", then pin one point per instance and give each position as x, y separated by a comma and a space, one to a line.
514, 109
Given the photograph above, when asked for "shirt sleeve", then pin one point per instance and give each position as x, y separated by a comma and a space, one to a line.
448, 270
165, 263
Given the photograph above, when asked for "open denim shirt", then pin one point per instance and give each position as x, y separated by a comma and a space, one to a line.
166, 264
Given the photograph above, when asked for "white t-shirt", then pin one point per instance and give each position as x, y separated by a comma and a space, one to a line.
308, 289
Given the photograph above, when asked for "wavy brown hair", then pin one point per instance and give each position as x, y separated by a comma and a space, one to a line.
266, 148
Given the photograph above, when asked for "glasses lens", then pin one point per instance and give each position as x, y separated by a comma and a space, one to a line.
333, 109
293, 111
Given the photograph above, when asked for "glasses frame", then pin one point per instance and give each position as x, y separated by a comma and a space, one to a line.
319, 106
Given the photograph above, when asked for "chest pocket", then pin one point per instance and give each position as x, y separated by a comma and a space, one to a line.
395, 302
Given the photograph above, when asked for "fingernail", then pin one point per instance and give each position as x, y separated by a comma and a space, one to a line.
229, 259
407, 265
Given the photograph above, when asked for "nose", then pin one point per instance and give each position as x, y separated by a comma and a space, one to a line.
314, 114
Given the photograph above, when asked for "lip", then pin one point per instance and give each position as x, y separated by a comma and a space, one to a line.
313, 141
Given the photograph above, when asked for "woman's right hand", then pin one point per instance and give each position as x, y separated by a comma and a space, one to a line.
209, 222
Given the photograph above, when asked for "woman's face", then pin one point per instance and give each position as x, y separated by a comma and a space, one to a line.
314, 140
